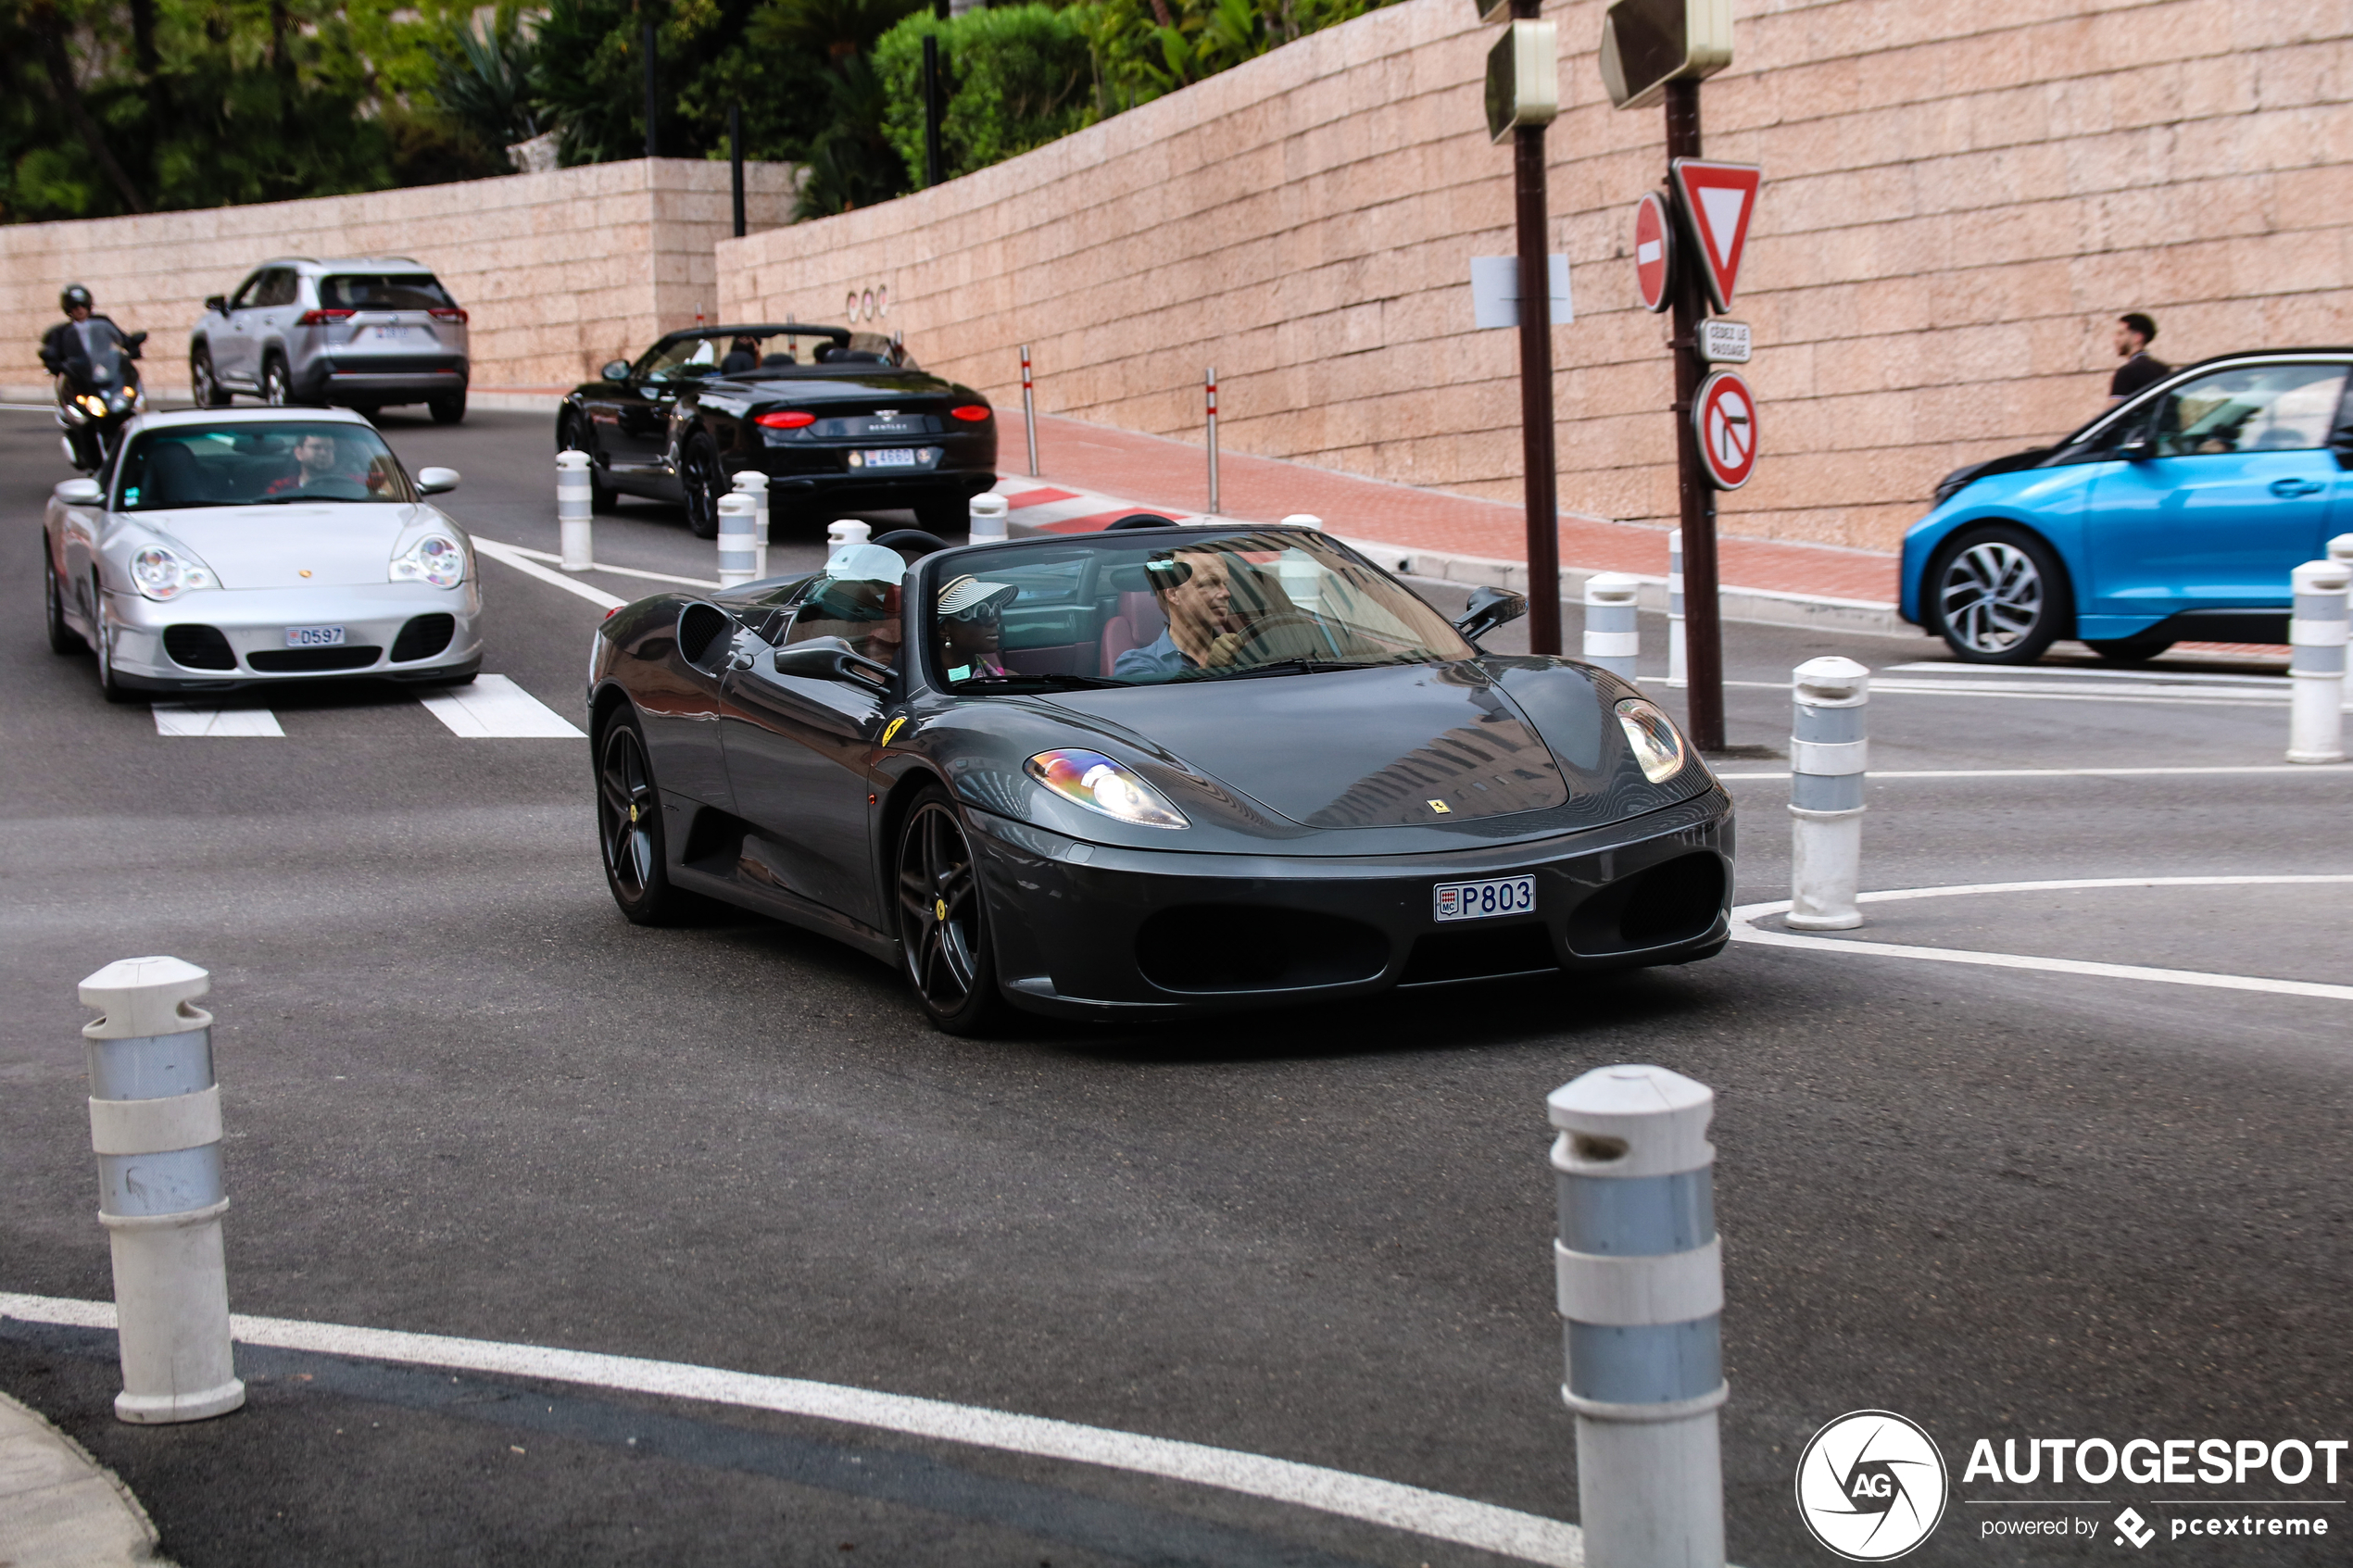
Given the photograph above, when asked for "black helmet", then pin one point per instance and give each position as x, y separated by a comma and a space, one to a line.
75, 294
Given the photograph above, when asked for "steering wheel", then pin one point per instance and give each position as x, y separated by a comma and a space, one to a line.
1285, 634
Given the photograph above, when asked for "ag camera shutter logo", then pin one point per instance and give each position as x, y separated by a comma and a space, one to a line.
1871, 1486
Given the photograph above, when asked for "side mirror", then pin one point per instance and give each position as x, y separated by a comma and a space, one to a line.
616, 370
79, 493
1489, 609
436, 482
217, 302
827, 659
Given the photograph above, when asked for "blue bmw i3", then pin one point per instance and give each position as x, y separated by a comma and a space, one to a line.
2174, 517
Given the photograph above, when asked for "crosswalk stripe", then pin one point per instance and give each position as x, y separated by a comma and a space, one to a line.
495, 708
179, 719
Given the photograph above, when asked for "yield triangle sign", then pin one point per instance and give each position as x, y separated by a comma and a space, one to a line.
1717, 200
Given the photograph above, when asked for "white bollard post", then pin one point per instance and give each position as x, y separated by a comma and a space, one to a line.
1677, 649
1612, 637
2316, 633
154, 1122
988, 511
1640, 1273
846, 531
754, 483
1828, 754
738, 551
573, 511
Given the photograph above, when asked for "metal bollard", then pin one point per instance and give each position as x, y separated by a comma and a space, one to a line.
154, 1122
1028, 410
1209, 379
738, 552
1677, 649
1612, 637
754, 483
2316, 633
573, 510
1828, 754
846, 531
987, 512
1640, 1273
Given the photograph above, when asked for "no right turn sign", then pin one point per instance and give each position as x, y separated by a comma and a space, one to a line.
1725, 414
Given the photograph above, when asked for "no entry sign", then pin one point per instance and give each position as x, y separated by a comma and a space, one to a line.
1725, 414
1654, 251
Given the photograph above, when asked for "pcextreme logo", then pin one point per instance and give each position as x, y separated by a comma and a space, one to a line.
1871, 1486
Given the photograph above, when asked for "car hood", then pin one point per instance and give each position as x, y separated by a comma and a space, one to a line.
317, 544
1354, 749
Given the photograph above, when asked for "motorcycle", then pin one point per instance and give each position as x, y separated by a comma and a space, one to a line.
99, 391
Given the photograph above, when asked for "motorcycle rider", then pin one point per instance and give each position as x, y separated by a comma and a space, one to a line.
70, 339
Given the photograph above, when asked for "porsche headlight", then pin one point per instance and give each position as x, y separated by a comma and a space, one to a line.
166, 574
1099, 784
435, 559
1658, 745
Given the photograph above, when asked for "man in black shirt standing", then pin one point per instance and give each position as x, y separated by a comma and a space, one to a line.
2135, 332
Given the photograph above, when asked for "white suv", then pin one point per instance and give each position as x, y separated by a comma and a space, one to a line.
360, 332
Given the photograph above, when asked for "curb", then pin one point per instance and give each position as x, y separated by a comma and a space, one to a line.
61, 1509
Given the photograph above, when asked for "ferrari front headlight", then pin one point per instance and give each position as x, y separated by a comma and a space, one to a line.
163, 574
435, 559
1658, 745
1096, 782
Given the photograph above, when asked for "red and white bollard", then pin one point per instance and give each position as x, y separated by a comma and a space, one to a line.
1209, 379
1029, 410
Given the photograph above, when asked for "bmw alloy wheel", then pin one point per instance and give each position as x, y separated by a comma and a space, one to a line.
1990, 598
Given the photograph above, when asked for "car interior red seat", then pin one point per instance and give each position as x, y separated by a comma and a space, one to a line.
1137, 623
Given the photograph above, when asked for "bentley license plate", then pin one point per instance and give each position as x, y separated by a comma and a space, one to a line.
1478, 901
314, 636
892, 457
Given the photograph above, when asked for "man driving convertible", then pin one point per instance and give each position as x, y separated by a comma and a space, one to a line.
1196, 592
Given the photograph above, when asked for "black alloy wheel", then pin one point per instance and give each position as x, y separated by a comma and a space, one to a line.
1997, 596
704, 481
277, 383
209, 393
62, 637
2127, 650
102, 644
943, 927
629, 829
450, 410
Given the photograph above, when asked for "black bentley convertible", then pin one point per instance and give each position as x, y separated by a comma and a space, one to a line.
839, 423
1145, 773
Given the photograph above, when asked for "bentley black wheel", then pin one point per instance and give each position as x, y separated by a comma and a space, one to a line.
629, 829
701, 478
943, 928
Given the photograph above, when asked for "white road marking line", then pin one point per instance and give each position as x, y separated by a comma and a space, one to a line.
508, 555
1483, 1527
493, 708
2060, 671
1743, 930
616, 571
2317, 769
2189, 696
179, 719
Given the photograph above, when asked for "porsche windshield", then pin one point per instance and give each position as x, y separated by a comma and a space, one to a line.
1216, 607
257, 465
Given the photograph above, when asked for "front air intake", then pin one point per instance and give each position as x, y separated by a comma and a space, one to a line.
198, 647
1239, 947
423, 636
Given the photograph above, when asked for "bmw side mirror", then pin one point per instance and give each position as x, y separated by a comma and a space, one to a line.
219, 301
1489, 609
827, 659
79, 493
617, 370
436, 482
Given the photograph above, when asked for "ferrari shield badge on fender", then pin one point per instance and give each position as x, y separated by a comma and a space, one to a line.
892, 729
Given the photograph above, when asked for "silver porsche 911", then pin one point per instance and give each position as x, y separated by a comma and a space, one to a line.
229, 548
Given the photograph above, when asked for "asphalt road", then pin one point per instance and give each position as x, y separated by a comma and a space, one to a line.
465, 1098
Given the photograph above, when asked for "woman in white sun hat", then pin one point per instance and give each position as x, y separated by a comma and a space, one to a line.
970, 626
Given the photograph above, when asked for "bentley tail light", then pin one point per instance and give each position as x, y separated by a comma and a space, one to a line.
792, 419
971, 413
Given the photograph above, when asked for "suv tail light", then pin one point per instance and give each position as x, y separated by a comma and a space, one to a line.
323, 318
790, 420
971, 413
447, 313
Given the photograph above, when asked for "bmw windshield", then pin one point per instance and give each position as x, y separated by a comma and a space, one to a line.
257, 465
1206, 606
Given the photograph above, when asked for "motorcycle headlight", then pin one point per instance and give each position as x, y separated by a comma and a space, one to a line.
1658, 745
166, 574
435, 559
1099, 784
91, 403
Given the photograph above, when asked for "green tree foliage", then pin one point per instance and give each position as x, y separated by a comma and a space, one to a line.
1021, 75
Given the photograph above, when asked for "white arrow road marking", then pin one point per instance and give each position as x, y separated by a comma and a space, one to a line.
1527, 1537
1745, 930
493, 708
508, 555
179, 719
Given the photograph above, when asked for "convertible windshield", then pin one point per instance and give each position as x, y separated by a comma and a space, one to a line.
1215, 607
252, 465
